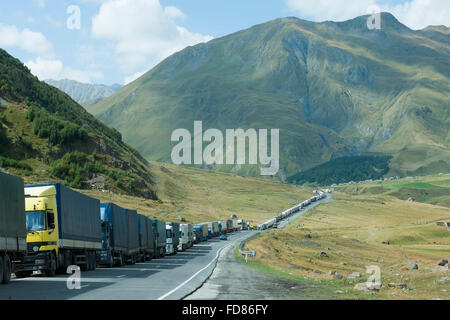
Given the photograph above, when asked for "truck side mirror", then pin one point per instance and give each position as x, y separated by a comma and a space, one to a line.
51, 220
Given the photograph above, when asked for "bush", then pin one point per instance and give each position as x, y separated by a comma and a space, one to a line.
59, 132
11, 163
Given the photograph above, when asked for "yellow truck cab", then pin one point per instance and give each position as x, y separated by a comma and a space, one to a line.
63, 229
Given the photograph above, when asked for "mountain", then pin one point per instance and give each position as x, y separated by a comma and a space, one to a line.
84, 92
46, 136
334, 89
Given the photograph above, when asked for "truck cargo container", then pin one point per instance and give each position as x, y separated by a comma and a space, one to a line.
198, 234
13, 232
216, 231
223, 226
114, 233
146, 243
172, 237
244, 225
210, 229
186, 237
235, 225
132, 253
205, 231
64, 228
176, 235
159, 238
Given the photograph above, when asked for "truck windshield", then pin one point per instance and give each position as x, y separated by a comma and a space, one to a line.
35, 220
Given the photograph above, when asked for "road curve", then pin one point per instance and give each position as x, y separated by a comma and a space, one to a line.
231, 280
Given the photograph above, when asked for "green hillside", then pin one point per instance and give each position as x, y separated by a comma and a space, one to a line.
333, 89
45, 136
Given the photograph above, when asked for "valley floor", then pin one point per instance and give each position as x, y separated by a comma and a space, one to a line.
346, 236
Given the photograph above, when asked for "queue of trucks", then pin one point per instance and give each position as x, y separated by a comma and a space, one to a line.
50, 227
273, 223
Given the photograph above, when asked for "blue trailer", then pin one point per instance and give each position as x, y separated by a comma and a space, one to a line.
199, 231
133, 249
146, 243
114, 232
159, 238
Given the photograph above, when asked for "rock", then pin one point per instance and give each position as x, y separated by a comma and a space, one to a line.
404, 269
323, 254
392, 285
339, 292
354, 275
411, 199
442, 263
373, 286
444, 279
386, 242
402, 286
308, 236
338, 276
414, 266
294, 267
332, 272
317, 271
361, 287
344, 263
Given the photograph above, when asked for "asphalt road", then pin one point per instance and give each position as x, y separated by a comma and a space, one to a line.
232, 280
170, 278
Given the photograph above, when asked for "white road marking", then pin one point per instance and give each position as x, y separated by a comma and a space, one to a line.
188, 280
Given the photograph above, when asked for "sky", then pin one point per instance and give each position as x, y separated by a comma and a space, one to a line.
116, 41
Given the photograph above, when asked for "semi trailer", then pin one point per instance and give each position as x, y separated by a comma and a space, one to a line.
146, 243
132, 253
114, 234
13, 232
198, 234
186, 237
169, 240
64, 228
159, 238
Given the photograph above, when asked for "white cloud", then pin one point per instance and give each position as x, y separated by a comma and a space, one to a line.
54, 69
39, 3
143, 32
419, 14
416, 14
44, 68
32, 42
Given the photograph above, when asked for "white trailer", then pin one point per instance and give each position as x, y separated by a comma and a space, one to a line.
186, 237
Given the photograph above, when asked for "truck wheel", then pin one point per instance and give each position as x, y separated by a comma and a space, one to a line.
23, 274
121, 263
2, 268
51, 270
94, 261
111, 262
7, 270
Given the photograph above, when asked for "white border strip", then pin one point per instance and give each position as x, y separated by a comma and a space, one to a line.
188, 280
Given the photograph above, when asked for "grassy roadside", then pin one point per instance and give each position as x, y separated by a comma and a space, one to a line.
318, 289
350, 231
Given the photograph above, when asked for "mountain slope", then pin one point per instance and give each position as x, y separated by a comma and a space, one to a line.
46, 136
333, 89
83, 92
